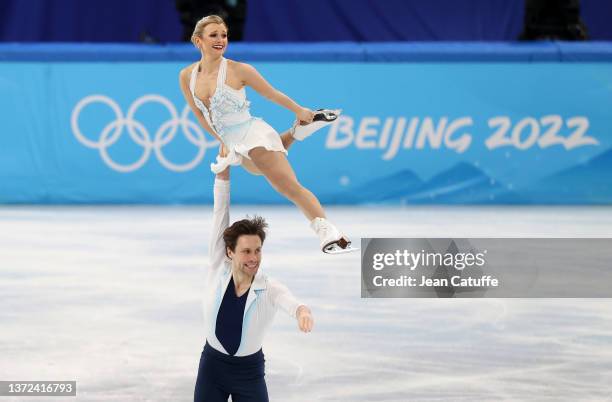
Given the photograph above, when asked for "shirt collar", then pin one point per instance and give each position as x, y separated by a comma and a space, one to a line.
259, 283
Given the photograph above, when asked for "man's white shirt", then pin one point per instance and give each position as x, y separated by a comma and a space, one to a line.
265, 297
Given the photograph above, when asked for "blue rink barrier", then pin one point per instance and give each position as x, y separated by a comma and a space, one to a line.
427, 123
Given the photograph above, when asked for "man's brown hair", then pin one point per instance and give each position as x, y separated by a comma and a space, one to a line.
250, 226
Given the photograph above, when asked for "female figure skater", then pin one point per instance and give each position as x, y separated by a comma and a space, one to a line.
240, 303
214, 89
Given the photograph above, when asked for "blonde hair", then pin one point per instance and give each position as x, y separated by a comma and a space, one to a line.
201, 24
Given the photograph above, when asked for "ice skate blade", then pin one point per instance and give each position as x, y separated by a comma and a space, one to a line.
326, 115
341, 246
335, 249
322, 119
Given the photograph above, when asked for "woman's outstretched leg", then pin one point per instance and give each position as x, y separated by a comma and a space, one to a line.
287, 139
279, 173
299, 132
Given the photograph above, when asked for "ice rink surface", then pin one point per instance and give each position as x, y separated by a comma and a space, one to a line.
110, 297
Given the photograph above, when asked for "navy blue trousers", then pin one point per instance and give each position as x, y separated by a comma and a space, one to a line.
221, 375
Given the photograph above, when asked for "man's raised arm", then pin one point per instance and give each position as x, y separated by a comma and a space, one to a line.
220, 221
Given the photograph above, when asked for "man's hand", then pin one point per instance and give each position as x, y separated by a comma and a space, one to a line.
304, 319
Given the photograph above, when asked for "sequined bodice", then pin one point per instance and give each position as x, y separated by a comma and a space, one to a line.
228, 107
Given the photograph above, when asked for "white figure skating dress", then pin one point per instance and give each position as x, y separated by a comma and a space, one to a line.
229, 116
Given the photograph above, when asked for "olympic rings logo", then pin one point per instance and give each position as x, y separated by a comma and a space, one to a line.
166, 132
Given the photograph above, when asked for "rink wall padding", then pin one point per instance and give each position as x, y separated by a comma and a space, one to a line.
445, 123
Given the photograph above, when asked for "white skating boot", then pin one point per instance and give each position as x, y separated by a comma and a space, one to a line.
322, 118
332, 241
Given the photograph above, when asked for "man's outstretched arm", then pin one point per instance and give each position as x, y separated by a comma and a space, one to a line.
284, 300
220, 221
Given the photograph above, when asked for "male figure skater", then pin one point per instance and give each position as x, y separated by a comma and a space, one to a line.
240, 303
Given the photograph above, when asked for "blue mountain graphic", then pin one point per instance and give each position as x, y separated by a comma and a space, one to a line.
384, 189
461, 184
589, 182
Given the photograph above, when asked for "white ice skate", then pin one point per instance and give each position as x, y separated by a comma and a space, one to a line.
332, 241
322, 118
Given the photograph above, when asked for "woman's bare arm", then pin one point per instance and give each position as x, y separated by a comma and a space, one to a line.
251, 77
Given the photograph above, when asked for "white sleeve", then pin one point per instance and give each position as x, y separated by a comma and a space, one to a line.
283, 298
220, 222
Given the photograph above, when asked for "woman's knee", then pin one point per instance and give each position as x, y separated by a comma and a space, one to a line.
290, 188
